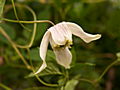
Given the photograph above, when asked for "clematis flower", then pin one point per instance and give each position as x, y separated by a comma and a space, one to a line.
60, 38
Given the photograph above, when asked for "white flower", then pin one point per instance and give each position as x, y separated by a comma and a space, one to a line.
60, 38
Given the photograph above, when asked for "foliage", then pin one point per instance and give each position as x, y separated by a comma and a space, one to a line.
93, 65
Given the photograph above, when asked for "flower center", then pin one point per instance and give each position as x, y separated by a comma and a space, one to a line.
67, 44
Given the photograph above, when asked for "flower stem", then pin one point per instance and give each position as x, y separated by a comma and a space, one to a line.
86, 80
5, 87
106, 69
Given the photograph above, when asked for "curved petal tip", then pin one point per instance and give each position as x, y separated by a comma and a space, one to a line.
89, 37
95, 37
78, 31
98, 36
44, 65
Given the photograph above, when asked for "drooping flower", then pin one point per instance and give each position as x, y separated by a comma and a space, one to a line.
60, 38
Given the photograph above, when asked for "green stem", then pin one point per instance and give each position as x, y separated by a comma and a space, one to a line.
86, 80
34, 31
30, 22
5, 87
106, 69
44, 83
67, 75
15, 12
35, 26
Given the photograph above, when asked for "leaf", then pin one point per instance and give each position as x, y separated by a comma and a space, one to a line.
73, 55
71, 84
113, 25
34, 55
9, 30
42, 27
50, 55
86, 70
2, 3
87, 86
51, 69
58, 3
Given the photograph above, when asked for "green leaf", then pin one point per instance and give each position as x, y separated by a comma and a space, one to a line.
58, 3
9, 30
113, 25
2, 3
34, 55
86, 70
42, 27
50, 55
71, 84
73, 55
52, 69
87, 86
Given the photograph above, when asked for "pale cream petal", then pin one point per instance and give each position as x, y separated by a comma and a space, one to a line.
65, 30
60, 33
44, 45
63, 57
43, 50
52, 43
57, 36
78, 31
67, 33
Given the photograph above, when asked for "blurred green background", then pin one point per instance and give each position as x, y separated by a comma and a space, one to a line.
89, 60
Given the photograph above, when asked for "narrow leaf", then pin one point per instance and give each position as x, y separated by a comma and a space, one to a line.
2, 3
71, 84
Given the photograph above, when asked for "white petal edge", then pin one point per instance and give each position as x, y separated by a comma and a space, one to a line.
43, 50
63, 57
78, 31
44, 65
